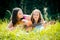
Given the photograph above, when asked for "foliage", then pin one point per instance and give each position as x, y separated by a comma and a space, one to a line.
29, 5
51, 32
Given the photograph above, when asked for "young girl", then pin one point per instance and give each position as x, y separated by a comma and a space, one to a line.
17, 17
37, 20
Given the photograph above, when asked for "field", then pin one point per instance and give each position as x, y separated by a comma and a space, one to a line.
51, 32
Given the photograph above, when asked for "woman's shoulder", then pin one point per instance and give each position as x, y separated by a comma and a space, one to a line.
10, 24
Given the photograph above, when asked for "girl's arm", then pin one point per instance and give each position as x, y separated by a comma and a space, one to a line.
44, 23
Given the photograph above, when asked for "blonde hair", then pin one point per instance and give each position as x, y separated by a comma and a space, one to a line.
40, 15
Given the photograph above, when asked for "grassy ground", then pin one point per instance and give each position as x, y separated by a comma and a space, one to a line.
51, 32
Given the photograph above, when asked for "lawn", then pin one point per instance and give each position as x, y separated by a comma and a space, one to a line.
51, 32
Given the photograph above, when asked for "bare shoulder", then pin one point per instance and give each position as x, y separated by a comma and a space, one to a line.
10, 24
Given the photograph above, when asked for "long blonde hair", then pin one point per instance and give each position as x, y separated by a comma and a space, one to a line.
40, 16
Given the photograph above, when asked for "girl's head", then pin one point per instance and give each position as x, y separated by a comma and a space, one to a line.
17, 14
36, 16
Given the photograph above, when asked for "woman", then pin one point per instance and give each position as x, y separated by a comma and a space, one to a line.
17, 17
37, 20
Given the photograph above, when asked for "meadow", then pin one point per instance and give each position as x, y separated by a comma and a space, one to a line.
51, 32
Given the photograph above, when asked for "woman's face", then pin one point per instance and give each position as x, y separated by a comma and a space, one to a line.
19, 14
35, 16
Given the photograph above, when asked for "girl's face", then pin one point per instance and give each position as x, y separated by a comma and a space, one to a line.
35, 15
19, 14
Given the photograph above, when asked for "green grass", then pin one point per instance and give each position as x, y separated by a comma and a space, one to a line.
51, 32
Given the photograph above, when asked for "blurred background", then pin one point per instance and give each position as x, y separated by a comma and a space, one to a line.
49, 8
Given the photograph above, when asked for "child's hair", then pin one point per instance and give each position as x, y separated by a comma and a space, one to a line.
40, 16
14, 15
